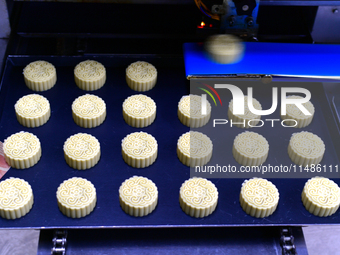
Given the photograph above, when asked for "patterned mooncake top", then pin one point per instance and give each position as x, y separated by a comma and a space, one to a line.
322, 192
260, 193
21, 145
14, 193
89, 70
88, 106
32, 106
39, 71
76, 193
251, 144
141, 71
195, 144
307, 144
248, 115
199, 192
82, 146
138, 191
294, 112
191, 106
139, 106
139, 145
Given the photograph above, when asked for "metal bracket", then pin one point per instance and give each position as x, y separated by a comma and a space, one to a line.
238, 17
287, 242
59, 242
264, 78
219, 9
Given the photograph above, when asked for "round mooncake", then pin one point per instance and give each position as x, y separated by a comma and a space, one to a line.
198, 197
22, 150
16, 198
40, 75
139, 149
305, 148
194, 149
82, 151
32, 110
248, 117
76, 197
259, 197
141, 76
138, 196
321, 196
88, 111
250, 149
190, 113
294, 113
139, 111
90, 75
224, 49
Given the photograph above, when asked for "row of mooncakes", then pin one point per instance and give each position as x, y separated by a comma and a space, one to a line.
198, 197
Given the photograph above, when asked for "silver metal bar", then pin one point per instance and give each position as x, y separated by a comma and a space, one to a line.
5, 28
118, 1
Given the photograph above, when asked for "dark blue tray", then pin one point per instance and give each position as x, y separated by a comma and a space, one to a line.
167, 172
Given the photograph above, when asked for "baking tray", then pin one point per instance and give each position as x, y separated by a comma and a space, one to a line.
167, 172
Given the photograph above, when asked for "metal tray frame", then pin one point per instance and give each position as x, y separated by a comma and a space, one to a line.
167, 172
185, 241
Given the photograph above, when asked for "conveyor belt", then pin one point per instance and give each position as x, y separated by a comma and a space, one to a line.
280, 59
